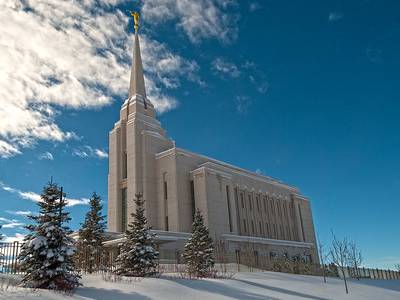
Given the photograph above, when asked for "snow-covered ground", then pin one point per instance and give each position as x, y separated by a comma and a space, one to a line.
243, 286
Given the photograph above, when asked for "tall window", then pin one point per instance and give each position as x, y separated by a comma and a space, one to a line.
249, 202
241, 199
237, 210
278, 208
301, 223
285, 210
192, 198
229, 207
261, 229
265, 205
253, 230
258, 203
123, 209
165, 188
244, 225
124, 165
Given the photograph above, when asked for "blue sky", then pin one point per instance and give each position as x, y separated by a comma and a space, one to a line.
304, 92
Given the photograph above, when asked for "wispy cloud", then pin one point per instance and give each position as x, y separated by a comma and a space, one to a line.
225, 68
260, 83
256, 76
7, 150
32, 196
200, 19
242, 104
88, 151
8, 223
13, 225
253, 6
46, 156
335, 16
18, 237
64, 51
19, 212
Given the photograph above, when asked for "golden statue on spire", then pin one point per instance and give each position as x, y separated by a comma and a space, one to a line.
135, 16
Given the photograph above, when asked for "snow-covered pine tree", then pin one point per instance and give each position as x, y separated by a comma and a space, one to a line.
46, 253
138, 256
199, 249
91, 236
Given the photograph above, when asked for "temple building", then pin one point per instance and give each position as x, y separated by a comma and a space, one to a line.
240, 207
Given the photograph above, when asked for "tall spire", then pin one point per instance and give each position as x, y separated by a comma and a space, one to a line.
136, 85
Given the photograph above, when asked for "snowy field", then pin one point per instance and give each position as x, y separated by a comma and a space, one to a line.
243, 286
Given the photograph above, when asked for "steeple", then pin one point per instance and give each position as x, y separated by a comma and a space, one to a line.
136, 85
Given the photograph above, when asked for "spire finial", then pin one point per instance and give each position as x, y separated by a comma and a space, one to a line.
135, 16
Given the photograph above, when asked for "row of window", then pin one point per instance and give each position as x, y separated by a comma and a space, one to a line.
270, 230
266, 208
265, 201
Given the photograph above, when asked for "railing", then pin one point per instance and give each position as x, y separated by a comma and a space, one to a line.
371, 273
9, 257
170, 261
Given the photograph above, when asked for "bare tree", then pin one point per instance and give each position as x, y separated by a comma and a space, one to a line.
339, 255
355, 258
322, 256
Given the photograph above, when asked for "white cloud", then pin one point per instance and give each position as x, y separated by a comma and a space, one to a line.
260, 83
242, 104
200, 19
18, 237
101, 153
32, 196
87, 151
7, 150
73, 202
225, 68
5, 220
46, 156
70, 54
19, 212
13, 225
335, 16
8, 223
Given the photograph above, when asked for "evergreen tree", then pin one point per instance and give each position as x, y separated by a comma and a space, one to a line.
138, 256
91, 236
199, 249
46, 253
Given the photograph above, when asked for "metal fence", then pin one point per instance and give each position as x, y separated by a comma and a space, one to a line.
171, 261
371, 273
9, 257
